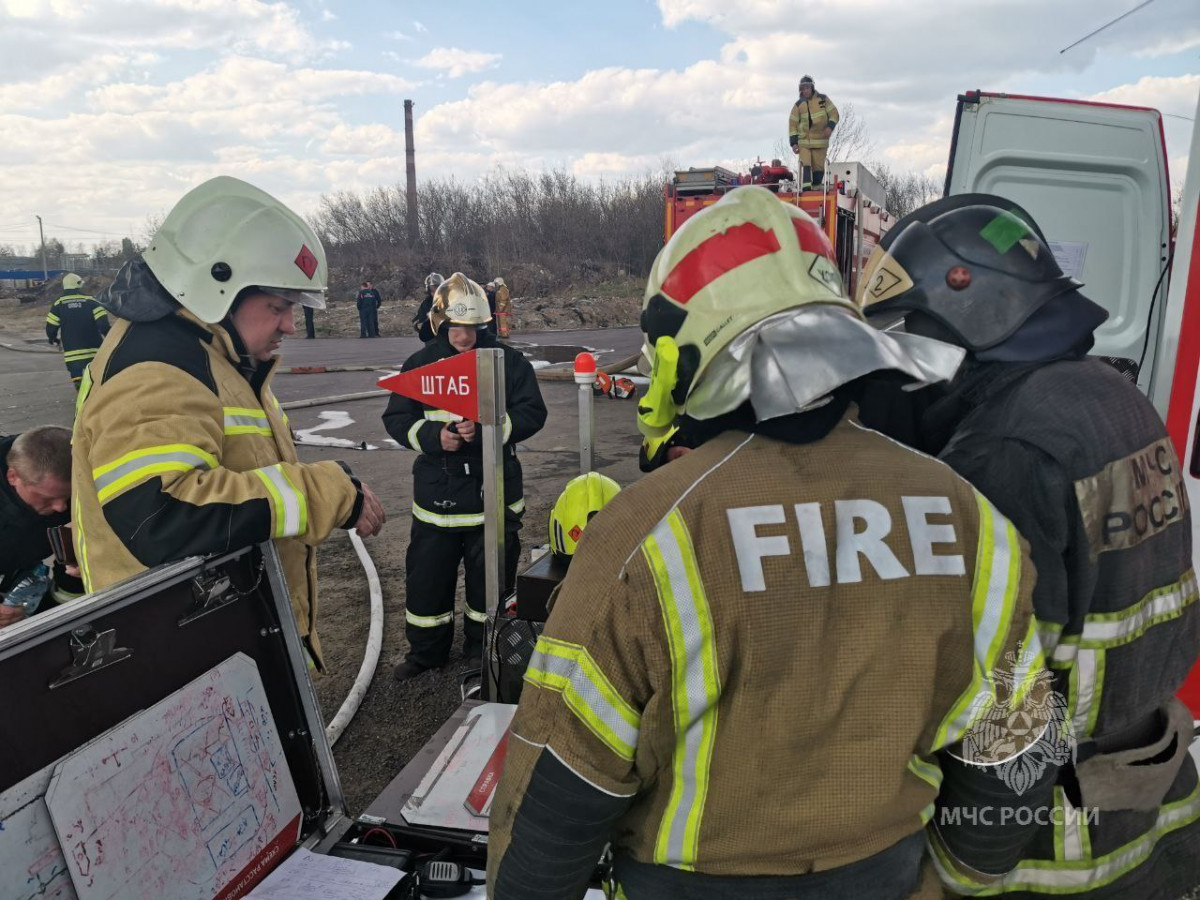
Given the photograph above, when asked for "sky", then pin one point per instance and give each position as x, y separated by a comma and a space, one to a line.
110, 110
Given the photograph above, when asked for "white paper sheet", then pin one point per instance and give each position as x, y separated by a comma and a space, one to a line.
181, 800
310, 876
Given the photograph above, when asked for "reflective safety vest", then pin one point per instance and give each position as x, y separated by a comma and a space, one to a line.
808, 120
176, 453
765, 645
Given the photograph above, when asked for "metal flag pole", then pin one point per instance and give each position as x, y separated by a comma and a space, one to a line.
585, 377
490, 378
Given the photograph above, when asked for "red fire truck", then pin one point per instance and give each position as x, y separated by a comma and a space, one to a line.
849, 206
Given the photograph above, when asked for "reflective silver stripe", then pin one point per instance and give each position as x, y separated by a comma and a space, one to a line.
440, 415
428, 621
289, 499
507, 428
995, 616
1033, 876
107, 482
475, 616
461, 520
570, 670
246, 421
1167, 603
412, 435
1066, 650
518, 506
1085, 684
696, 686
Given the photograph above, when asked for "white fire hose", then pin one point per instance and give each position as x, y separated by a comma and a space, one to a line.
366, 672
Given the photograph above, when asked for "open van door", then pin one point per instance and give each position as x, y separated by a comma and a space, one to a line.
1094, 177
1181, 351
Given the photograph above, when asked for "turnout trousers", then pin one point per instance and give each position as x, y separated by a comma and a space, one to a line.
432, 562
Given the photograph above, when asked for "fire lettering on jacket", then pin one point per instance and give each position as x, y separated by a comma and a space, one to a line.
1132, 499
862, 532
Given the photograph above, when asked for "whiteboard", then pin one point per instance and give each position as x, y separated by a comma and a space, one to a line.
178, 801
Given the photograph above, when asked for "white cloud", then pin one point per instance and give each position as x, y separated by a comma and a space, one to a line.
397, 36
455, 62
418, 27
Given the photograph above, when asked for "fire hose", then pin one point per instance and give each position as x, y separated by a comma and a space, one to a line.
366, 672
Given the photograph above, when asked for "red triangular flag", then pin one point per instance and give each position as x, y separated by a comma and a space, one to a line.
448, 384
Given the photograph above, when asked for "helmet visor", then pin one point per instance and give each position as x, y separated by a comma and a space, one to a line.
311, 299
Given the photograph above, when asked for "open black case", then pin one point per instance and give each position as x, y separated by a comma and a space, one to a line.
74, 673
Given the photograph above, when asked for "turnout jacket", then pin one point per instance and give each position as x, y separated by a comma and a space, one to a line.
1080, 461
181, 448
448, 487
751, 667
82, 323
808, 119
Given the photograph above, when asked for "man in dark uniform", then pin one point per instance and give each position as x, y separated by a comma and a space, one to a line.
1080, 461
421, 320
368, 302
78, 324
35, 494
448, 473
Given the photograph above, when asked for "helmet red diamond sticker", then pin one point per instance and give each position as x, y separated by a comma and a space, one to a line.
307, 262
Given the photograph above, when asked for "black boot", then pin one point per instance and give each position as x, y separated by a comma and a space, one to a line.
410, 668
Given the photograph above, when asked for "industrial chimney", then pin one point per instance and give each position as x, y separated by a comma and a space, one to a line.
410, 173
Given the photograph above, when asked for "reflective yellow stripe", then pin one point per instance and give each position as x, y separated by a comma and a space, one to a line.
695, 686
52, 319
85, 388
507, 428
440, 415
412, 435
99, 313
81, 551
569, 670
997, 580
1076, 877
240, 420
114, 477
77, 355
288, 502
428, 621
476, 616
459, 520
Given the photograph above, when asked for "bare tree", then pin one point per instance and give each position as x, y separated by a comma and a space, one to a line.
851, 139
905, 191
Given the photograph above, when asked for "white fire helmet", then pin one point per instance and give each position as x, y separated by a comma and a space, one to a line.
226, 235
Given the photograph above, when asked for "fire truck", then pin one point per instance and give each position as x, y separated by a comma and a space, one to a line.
849, 207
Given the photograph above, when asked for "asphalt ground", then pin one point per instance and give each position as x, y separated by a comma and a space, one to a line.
395, 719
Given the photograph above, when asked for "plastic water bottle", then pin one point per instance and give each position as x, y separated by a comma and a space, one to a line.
29, 591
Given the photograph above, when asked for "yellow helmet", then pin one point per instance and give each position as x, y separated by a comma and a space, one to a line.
459, 301
583, 497
742, 260
72, 282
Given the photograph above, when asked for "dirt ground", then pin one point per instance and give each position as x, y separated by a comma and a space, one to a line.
606, 304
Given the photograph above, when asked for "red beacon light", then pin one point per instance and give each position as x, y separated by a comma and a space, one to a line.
585, 368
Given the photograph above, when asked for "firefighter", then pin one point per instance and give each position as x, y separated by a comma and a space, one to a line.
77, 324
420, 321
503, 307
810, 126
447, 508
766, 653
180, 447
489, 291
1080, 461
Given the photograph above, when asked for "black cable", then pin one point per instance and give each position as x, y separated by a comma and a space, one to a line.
1150, 316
